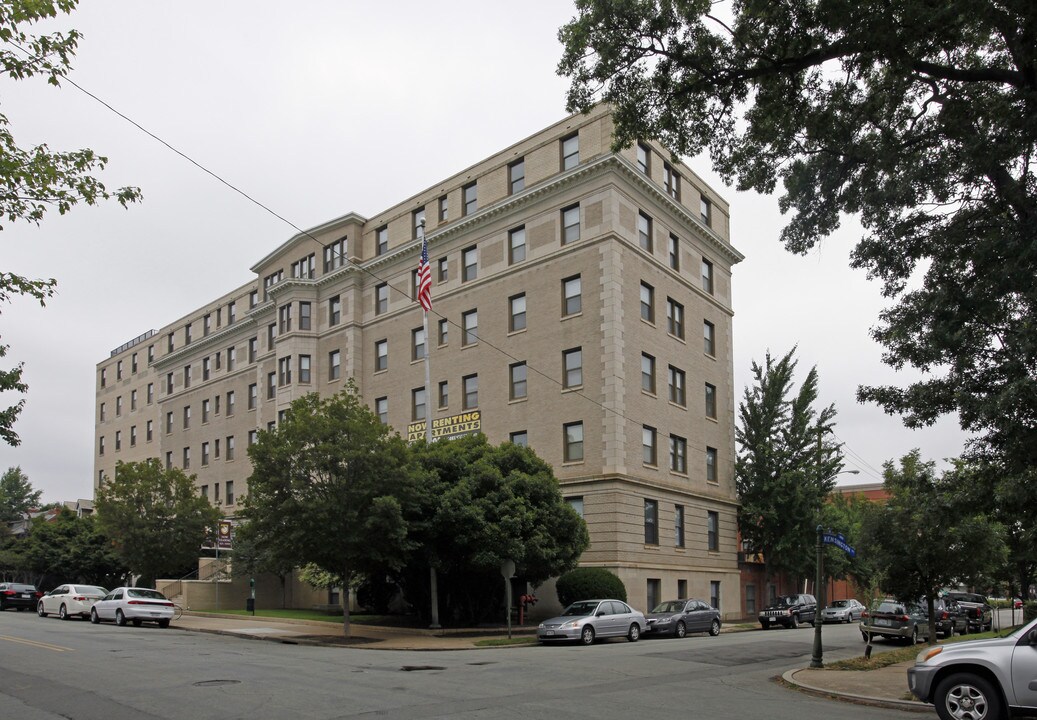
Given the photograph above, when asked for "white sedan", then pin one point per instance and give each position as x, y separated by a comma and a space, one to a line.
69, 600
135, 605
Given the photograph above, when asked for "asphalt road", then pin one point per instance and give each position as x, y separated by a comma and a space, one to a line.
51, 669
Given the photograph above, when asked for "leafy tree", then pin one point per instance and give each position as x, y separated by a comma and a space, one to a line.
481, 505
326, 486
16, 495
786, 465
71, 549
847, 514
587, 583
37, 179
925, 537
155, 517
919, 118
252, 558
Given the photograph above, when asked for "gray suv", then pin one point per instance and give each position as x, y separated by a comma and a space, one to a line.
979, 680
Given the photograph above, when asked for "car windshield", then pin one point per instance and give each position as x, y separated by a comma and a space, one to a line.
787, 600
148, 594
840, 603
672, 606
580, 608
91, 590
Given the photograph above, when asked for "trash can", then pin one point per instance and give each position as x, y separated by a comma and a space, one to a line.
250, 605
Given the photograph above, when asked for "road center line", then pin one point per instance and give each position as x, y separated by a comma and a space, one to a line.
34, 643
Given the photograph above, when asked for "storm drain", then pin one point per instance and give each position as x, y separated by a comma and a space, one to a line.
414, 668
215, 683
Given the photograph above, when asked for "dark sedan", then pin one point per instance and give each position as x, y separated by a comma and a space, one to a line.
18, 596
680, 617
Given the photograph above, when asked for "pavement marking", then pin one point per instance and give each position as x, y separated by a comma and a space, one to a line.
35, 643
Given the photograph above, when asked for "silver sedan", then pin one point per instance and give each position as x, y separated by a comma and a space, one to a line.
588, 620
844, 611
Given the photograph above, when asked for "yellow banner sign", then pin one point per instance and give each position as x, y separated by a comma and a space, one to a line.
447, 427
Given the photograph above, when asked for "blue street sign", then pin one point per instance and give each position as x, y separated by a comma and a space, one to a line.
839, 542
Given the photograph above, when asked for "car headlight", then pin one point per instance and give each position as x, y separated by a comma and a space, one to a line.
928, 654
540, 626
571, 624
662, 621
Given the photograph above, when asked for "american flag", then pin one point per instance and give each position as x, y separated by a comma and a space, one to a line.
424, 276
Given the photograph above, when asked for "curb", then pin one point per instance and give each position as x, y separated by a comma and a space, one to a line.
789, 676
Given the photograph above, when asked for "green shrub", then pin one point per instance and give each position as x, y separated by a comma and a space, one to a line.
1029, 610
588, 584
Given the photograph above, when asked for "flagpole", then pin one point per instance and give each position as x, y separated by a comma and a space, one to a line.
428, 415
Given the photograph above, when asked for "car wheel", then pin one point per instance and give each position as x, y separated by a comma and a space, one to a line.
794, 622
634, 632
765, 623
120, 619
967, 697
136, 622
849, 618
94, 617
163, 623
714, 627
587, 635
681, 630
63, 612
39, 609
914, 635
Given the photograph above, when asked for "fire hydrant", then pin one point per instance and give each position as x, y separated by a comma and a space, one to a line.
525, 601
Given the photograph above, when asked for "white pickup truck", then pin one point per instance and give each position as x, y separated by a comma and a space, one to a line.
979, 680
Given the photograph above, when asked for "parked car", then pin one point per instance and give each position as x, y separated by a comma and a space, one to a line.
69, 600
680, 617
587, 620
979, 613
949, 617
979, 680
894, 619
18, 596
790, 611
845, 611
133, 604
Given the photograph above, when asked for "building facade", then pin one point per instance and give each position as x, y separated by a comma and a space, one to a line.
581, 306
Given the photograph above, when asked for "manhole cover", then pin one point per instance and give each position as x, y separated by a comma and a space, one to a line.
214, 683
412, 668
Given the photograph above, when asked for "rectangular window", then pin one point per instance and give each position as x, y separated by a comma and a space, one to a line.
709, 338
417, 404
230, 403
118, 406
417, 219
651, 522
100, 445
305, 315
169, 422
644, 155
133, 399
381, 409
381, 240
253, 436
284, 314
647, 373
678, 454
253, 396
118, 370
470, 385
647, 302
271, 335
417, 343
187, 458
206, 324
187, 376
335, 310
654, 592
118, 440
444, 393
678, 528
304, 269
271, 386
707, 276
229, 486
102, 413
712, 536
304, 368
187, 417
187, 334
682, 589
570, 148
253, 299
232, 358
706, 211
334, 364
520, 438
570, 224
149, 431
335, 255
517, 245
443, 271
269, 281
648, 445
205, 454
169, 460
206, 368
133, 363
470, 327
284, 371
253, 349
714, 593
444, 331
572, 368
470, 199
572, 434
517, 176
711, 401
206, 405
151, 354
711, 464
674, 318
381, 355
169, 343
169, 383
150, 393
381, 299
644, 232
518, 381
572, 300
104, 377
671, 182
444, 211
469, 264
517, 312
675, 252
677, 392
750, 601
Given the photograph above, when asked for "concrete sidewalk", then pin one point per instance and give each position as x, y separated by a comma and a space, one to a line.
883, 687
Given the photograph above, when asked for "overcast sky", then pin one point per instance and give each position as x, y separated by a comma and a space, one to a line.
317, 109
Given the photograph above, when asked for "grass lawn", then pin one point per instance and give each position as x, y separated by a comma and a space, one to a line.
903, 654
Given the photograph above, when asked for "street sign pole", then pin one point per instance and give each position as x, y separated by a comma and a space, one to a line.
816, 658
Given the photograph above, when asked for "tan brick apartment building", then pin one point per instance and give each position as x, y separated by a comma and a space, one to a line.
581, 305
